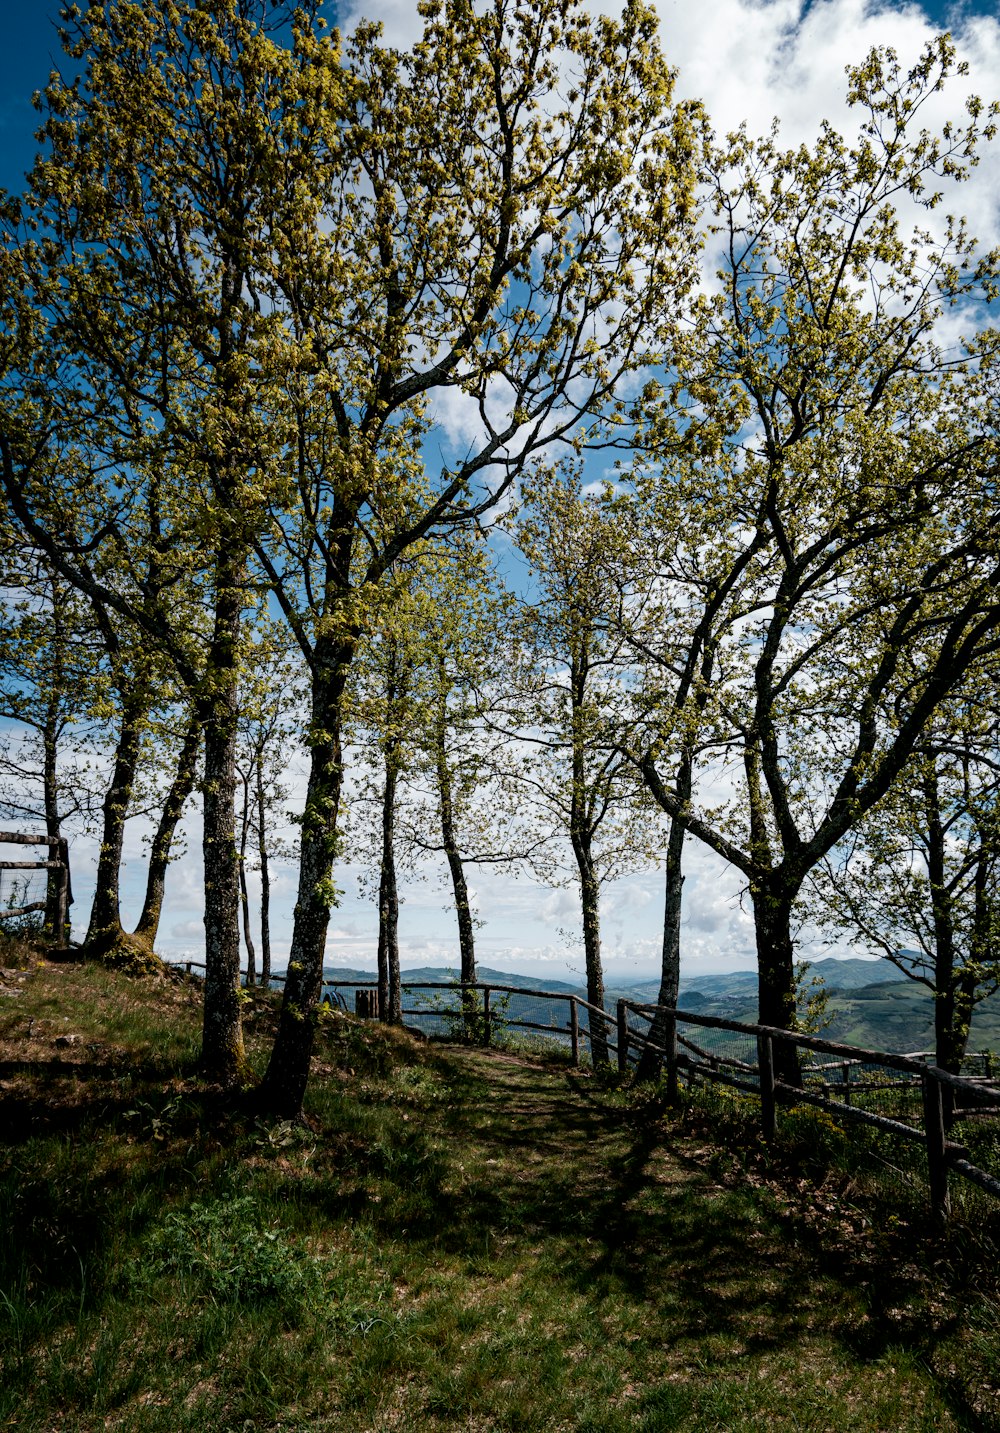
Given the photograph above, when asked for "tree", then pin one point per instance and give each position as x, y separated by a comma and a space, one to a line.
505, 199
867, 457
53, 698
146, 330
920, 877
576, 663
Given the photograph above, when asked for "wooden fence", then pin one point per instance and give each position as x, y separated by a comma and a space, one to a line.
56, 908
927, 1103
486, 1019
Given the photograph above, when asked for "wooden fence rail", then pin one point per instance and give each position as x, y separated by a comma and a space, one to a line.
941, 1099
573, 1032
56, 908
944, 1099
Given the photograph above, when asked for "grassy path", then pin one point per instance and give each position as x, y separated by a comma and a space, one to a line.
607, 1280
454, 1240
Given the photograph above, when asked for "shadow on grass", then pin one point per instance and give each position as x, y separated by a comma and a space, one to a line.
613, 1201
623, 1207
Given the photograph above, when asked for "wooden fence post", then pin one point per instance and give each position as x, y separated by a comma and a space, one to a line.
366, 1004
622, 1038
487, 1031
765, 1071
934, 1128
574, 1031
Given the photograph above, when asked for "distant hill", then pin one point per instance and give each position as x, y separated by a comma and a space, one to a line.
872, 1004
443, 975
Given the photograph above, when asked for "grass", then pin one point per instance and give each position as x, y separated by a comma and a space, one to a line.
451, 1240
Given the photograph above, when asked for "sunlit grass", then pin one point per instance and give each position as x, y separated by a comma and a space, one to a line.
450, 1240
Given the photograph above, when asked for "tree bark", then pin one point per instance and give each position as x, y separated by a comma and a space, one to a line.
663, 1031
287, 1075
590, 898
265, 879
159, 855
244, 894
53, 820
105, 929
222, 1057
390, 1004
456, 867
581, 832
453, 854
776, 1002
390, 1000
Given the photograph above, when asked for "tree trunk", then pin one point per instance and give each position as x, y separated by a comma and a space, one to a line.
288, 1068
159, 856
590, 897
265, 879
390, 1004
772, 910
53, 820
105, 930
952, 1013
459, 885
244, 895
663, 1031
453, 854
222, 1056
581, 835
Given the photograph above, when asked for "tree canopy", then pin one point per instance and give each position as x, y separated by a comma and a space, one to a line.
289, 321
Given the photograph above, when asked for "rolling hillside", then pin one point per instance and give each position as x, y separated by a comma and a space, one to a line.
887, 1012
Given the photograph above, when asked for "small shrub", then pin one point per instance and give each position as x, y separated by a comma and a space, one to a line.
221, 1252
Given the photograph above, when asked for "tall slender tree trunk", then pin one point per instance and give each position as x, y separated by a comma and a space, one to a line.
53, 819
776, 996
581, 835
663, 1030
390, 1003
590, 901
105, 929
222, 1057
390, 996
180, 789
265, 878
288, 1068
244, 894
952, 1009
453, 854
456, 867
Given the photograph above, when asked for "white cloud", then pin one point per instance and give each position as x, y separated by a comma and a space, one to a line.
188, 930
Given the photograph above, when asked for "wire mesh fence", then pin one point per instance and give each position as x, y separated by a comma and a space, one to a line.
23, 893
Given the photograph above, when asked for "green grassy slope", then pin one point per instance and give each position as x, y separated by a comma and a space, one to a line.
450, 1240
